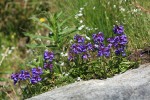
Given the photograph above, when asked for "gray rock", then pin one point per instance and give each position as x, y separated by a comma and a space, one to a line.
131, 85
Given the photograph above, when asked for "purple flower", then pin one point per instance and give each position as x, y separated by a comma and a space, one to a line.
98, 38
15, 77
48, 66
120, 51
118, 40
118, 29
35, 79
78, 48
104, 51
37, 71
79, 39
123, 39
89, 46
23, 75
48, 56
85, 56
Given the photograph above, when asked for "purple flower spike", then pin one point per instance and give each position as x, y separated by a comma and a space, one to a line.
98, 38
24, 75
35, 79
123, 39
118, 29
48, 56
90, 47
104, 51
79, 39
48, 66
120, 51
37, 71
15, 77
85, 56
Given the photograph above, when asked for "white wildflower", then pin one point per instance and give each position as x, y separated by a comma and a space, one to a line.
114, 6
81, 21
81, 9
10, 51
135, 10
66, 74
64, 54
96, 45
78, 79
81, 27
96, 28
62, 64
80, 14
88, 38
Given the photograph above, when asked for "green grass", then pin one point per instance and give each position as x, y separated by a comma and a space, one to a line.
104, 16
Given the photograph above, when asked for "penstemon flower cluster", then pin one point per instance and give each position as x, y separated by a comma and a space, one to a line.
25, 75
34, 75
80, 48
118, 43
48, 59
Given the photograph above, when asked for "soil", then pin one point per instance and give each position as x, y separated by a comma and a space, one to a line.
141, 55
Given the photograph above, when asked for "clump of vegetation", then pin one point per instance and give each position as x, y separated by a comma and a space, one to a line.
86, 40
84, 60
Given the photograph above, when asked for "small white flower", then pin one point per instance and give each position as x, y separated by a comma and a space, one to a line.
64, 54
81, 21
66, 74
96, 45
80, 14
114, 6
81, 8
78, 79
88, 38
34, 60
81, 27
62, 64
96, 28
10, 51
135, 10
80, 11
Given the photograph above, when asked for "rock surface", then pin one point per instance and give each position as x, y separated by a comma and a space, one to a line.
131, 85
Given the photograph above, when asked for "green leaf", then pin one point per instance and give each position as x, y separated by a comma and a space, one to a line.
58, 15
67, 31
47, 26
